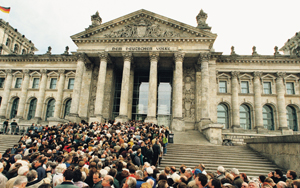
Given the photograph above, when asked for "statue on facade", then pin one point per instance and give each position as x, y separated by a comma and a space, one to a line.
96, 20
276, 53
49, 50
201, 20
66, 52
254, 52
31, 52
232, 51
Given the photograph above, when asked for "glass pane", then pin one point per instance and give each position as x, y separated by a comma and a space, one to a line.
53, 83
2, 82
164, 98
18, 83
71, 83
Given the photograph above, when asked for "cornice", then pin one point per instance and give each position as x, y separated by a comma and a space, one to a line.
37, 58
143, 14
261, 59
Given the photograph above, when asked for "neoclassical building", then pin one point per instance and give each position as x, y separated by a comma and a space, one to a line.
144, 66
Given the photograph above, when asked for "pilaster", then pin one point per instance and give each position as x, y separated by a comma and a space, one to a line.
204, 59
257, 101
60, 90
6, 93
281, 101
235, 99
41, 96
23, 97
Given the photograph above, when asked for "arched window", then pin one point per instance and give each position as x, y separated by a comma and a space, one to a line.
268, 119
222, 113
245, 120
7, 42
50, 108
67, 107
32, 107
23, 52
14, 108
291, 117
16, 49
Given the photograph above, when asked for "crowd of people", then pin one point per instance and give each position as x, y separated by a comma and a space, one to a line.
113, 155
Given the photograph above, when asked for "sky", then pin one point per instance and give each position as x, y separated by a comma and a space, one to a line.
239, 23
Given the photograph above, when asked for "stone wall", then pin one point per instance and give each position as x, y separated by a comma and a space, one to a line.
284, 151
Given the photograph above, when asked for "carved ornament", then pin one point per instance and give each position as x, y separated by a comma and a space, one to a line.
204, 57
201, 20
96, 19
142, 28
179, 56
235, 74
43, 71
8, 71
61, 71
104, 56
280, 74
26, 71
154, 56
81, 57
257, 74
127, 56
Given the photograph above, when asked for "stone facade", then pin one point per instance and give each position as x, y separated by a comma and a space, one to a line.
103, 79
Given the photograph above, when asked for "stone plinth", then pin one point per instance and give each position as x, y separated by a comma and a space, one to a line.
121, 119
152, 120
213, 133
178, 125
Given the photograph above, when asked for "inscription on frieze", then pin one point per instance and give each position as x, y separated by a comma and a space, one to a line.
142, 48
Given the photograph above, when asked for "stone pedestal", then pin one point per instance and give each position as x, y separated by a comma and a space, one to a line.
213, 133
203, 122
178, 125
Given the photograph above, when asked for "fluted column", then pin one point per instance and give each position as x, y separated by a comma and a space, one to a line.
60, 91
82, 59
104, 58
177, 122
6, 93
257, 100
235, 100
125, 88
281, 101
23, 97
204, 58
152, 97
40, 102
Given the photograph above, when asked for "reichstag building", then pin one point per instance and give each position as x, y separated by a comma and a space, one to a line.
147, 67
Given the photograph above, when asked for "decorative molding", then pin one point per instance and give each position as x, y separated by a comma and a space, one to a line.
8, 71
280, 75
235, 74
104, 56
26, 71
43, 71
204, 57
61, 71
81, 57
257, 74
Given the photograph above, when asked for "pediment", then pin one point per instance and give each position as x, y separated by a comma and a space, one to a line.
2, 74
246, 77
223, 76
143, 24
291, 77
53, 74
268, 77
18, 74
35, 74
70, 74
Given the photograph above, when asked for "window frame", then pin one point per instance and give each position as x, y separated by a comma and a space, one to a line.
269, 89
69, 79
223, 81
19, 84
3, 83
33, 83
248, 89
292, 89
51, 83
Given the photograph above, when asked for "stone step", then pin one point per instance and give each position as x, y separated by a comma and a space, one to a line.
8, 141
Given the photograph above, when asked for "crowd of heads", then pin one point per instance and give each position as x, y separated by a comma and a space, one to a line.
114, 155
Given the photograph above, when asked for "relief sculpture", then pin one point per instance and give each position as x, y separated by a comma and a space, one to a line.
189, 94
142, 28
94, 91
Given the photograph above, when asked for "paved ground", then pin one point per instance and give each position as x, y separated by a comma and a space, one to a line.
190, 137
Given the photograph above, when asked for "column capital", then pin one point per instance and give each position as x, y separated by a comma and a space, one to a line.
43, 71
104, 56
61, 71
235, 74
280, 74
26, 71
205, 56
198, 67
154, 56
257, 74
8, 71
179, 56
127, 56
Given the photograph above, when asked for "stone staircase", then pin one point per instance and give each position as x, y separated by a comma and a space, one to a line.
8, 141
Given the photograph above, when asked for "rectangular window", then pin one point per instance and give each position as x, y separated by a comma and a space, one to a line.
71, 83
222, 87
290, 88
35, 84
18, 83
245, 87
2, 82
53, 83
267, 88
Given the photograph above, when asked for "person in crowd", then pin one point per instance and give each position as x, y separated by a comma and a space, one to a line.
220, 172
237, 181
253, 184
20, 182
201, 180
67, 183
291, 174
3, 178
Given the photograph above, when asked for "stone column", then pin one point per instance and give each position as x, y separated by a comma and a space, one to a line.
204, 58
40, 101
152, 97
257, 101
125, 88
82, 60
23, 97
60, 92
177, 122
130, 97
235, 99
6, 93
104, 58
198, 114
281, 101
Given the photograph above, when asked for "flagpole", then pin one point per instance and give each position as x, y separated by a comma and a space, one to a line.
7, 17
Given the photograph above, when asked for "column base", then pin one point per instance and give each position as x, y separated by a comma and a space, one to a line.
178, 124
283, 128
151, 119
121, 118
97, 118
73, 118
287, 132
261, 130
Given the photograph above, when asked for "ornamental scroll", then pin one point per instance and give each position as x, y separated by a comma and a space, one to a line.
142, 28
189, 93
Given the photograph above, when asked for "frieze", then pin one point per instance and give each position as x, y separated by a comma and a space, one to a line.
142, 28
142, 48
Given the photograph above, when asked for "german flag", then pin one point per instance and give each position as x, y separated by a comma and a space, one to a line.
5, 9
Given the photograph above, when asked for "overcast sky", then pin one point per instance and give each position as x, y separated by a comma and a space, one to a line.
240, 23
